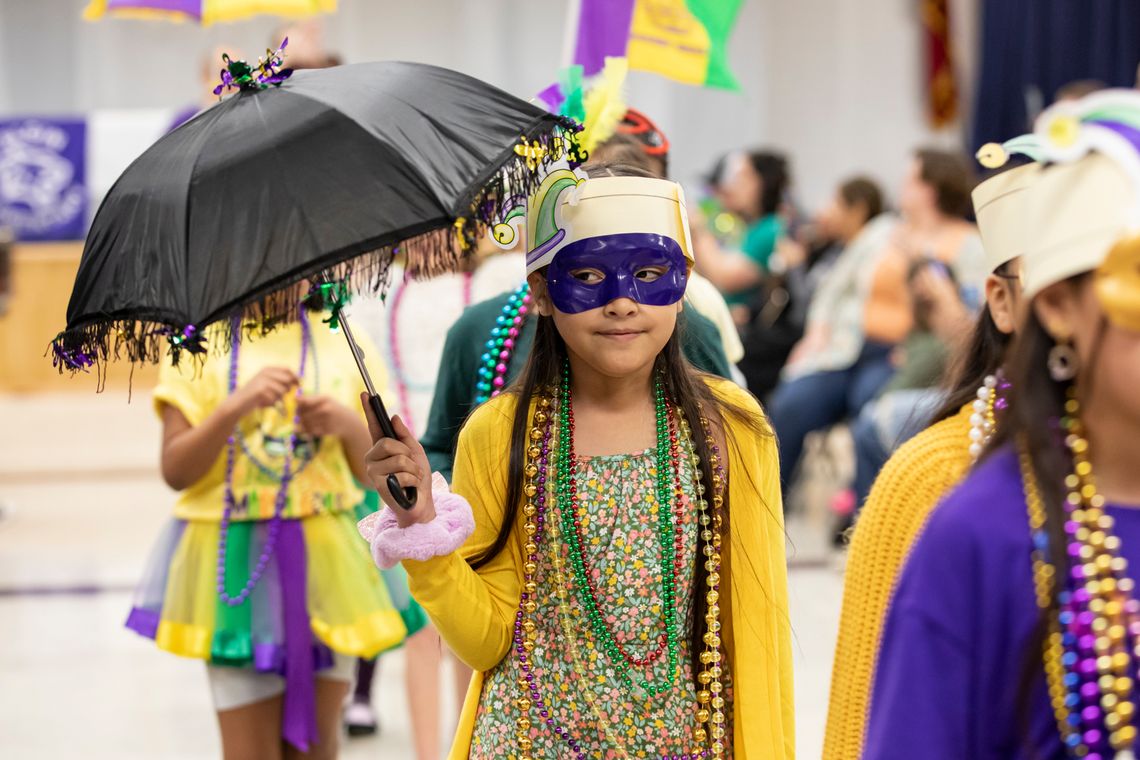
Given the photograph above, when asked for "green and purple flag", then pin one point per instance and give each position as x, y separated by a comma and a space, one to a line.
684, 40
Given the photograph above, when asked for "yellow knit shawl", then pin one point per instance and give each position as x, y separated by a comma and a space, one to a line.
908, 488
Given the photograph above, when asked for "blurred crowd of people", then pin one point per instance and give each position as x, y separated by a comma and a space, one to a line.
847, 315
851, 314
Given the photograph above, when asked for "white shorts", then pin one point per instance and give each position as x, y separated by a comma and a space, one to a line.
232, 688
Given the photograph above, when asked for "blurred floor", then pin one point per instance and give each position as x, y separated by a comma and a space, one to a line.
81, 502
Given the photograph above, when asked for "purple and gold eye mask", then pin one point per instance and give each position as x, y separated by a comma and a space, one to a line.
645, 267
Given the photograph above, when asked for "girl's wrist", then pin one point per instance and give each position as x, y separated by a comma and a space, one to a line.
233, 408
423, 512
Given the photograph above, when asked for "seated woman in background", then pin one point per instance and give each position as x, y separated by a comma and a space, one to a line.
910, 399
753, 189
831, 376
830, 269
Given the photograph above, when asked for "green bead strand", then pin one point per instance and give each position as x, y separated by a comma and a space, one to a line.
666, 534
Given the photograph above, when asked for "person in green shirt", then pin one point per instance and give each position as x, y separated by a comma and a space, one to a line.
456, 391
759, 244
753, 188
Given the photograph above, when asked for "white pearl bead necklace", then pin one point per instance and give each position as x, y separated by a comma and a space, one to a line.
981, 421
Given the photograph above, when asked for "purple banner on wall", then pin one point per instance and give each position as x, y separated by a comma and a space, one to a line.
43, 183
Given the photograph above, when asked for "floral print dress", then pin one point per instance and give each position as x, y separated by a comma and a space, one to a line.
577, 680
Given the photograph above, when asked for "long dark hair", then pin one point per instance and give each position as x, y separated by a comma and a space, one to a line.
984, 355
1036, 405
685, 387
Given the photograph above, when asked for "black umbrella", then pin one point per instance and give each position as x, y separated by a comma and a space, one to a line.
321, 178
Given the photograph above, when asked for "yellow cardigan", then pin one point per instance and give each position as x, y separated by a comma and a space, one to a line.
910, 486
474, 610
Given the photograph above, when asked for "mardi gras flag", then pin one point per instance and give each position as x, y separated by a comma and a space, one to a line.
684, 40
205, 12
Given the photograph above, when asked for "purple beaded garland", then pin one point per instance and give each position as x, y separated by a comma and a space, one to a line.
229, 503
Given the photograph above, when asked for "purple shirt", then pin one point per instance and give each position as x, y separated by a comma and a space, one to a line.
955, 641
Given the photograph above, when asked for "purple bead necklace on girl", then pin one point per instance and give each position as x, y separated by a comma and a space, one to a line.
1093, 641
229, 503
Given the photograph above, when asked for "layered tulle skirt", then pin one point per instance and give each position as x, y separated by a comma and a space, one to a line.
320, 587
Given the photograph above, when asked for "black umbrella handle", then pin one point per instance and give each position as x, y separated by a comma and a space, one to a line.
405, 497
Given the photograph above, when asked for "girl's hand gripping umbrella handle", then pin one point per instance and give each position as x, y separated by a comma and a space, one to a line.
405, 497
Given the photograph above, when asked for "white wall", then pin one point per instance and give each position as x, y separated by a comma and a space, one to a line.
846, 91
836, 83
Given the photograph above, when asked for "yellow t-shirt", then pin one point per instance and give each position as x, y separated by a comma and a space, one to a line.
325, 482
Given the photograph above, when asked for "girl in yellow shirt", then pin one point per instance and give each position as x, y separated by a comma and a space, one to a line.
611, 561
262, 573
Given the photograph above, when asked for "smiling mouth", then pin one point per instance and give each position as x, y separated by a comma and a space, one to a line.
620, 334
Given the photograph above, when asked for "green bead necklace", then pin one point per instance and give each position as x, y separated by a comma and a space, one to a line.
668, 486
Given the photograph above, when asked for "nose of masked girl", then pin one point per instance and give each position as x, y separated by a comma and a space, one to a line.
623, 307
623, 321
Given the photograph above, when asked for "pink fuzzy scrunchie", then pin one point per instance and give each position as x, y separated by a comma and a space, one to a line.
390, 543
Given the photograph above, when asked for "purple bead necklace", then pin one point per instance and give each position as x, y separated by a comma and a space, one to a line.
538, 456
229, 503
1093, 643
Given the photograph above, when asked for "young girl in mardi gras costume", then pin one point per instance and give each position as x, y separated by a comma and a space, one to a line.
262, 573
1015, 628
623, 589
